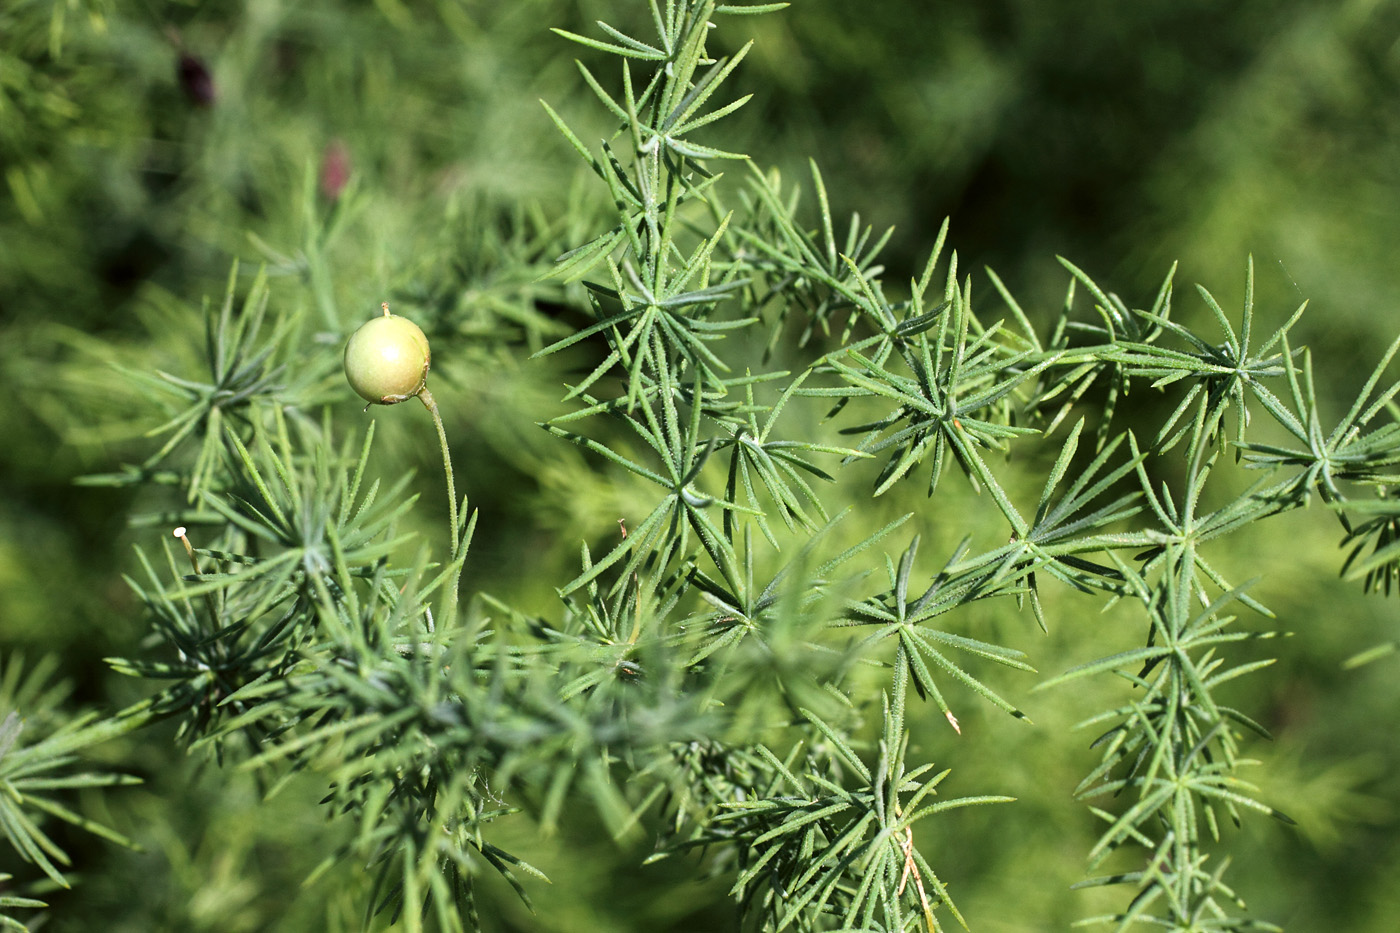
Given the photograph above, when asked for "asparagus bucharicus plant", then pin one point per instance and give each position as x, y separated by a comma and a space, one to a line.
754, 672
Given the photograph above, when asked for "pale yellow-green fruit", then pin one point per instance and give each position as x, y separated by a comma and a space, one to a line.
386, 360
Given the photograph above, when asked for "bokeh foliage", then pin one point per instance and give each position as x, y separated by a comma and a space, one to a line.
1122, 138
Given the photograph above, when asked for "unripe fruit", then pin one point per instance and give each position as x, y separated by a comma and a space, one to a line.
386, 360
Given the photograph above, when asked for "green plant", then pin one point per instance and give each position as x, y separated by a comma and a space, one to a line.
725, 676
38, 751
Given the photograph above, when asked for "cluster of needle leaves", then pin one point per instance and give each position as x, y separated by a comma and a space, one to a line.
918, 383
739, 670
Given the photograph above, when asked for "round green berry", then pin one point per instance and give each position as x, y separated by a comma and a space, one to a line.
386, 360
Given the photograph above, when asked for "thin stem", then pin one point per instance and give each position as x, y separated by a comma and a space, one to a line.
431, 404
194, 562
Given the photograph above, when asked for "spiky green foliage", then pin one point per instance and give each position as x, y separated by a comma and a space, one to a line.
40, 745
725, 671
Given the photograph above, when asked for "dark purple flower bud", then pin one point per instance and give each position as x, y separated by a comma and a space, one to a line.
196, 80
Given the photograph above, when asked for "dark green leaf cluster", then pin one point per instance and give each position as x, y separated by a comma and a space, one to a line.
940, 384
39, 764
829, 843
727, 672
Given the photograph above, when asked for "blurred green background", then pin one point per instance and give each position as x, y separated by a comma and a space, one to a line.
1123, 137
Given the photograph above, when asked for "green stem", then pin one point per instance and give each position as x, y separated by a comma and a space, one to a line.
427, 398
